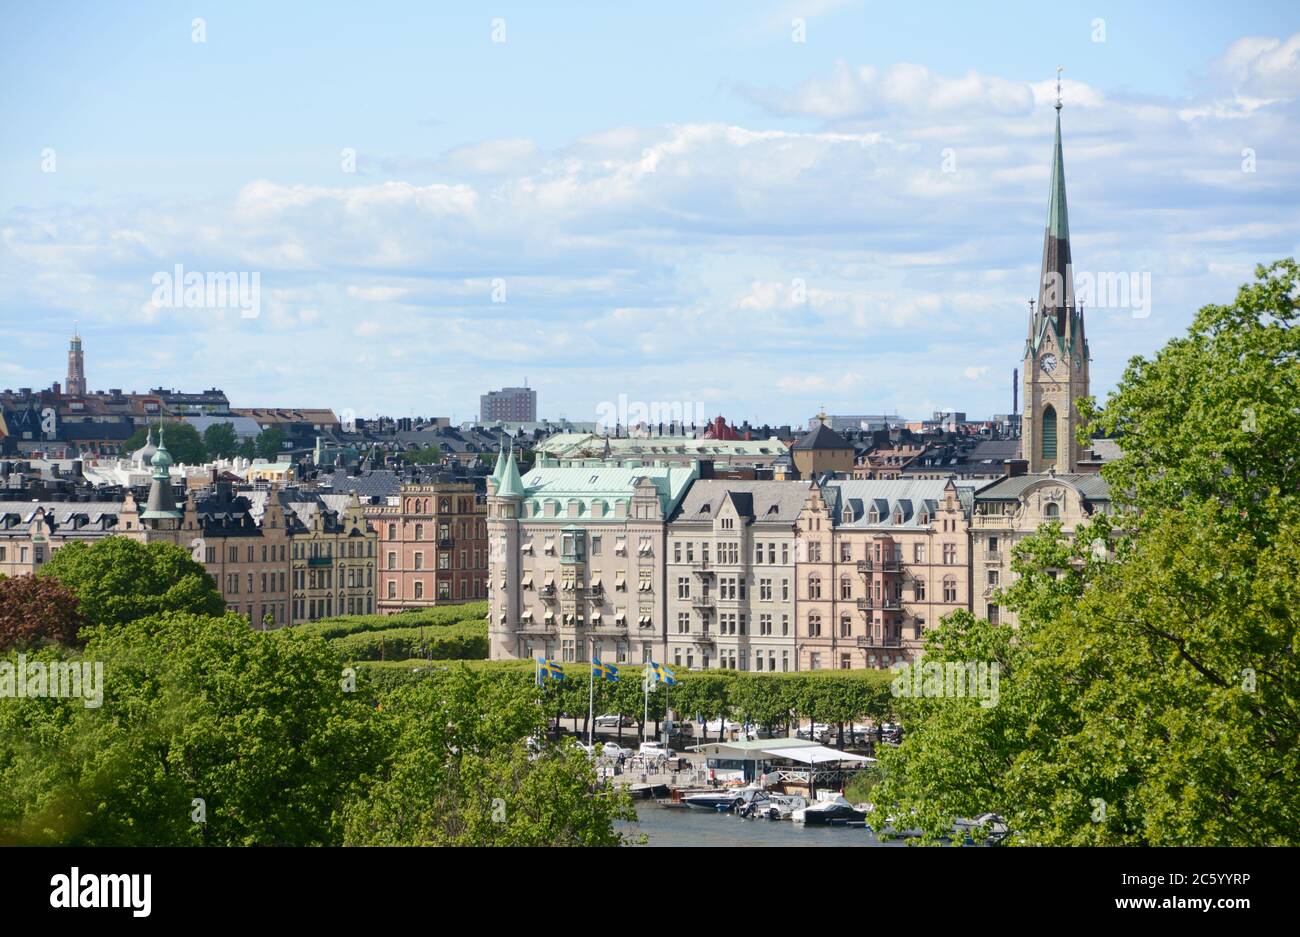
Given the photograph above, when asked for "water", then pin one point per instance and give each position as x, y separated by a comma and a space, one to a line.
683, 826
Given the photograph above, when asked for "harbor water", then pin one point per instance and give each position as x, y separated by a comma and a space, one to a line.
682, 826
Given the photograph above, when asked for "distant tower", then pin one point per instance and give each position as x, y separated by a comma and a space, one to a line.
76, 383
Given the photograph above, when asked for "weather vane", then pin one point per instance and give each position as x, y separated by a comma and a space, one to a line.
1059, 69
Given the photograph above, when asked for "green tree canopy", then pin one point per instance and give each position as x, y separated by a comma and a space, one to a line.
220, 442
270, 443
1151, 694
182, 440
117, 580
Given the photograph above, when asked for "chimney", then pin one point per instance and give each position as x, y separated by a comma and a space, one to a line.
1016, 467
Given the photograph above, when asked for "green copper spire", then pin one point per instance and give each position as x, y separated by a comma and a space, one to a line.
512, 486
501, 463
1058, 221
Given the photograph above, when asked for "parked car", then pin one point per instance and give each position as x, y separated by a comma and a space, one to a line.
613, 720
614, 750
657, 750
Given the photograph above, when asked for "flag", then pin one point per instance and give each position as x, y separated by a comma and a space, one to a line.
661, 673
549, 669
604, 671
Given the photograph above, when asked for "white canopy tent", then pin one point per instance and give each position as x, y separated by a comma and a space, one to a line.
816, 755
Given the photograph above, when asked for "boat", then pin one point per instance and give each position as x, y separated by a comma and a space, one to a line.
830, 809
773, 807
721, 799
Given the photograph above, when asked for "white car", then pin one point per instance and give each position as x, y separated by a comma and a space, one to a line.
657, 750
614, 750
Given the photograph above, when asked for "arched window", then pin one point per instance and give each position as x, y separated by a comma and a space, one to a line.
814, 625
814, 587
1051, 510
1049, 433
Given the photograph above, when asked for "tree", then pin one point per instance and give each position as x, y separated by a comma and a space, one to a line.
220, 441
209, 733
117, 580
36, 611
461, 773
182, 440
270, 443
1151, 694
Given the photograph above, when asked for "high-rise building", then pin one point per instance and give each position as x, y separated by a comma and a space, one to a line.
76, 383
1056, 350
510, 404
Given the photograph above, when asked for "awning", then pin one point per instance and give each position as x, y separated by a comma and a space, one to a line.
816, 755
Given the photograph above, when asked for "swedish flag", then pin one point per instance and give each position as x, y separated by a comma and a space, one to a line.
604, 671
661, 674
549, 670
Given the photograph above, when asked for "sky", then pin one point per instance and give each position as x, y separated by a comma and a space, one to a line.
755, 209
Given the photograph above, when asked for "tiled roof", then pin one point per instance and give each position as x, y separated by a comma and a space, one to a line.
852, 500
1091, 486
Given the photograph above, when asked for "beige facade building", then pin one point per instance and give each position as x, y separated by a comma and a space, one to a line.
1014, 508
731, 575
332, 559
577, 560
879, 562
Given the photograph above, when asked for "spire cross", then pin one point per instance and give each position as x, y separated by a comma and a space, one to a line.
1059, 69
1031, 307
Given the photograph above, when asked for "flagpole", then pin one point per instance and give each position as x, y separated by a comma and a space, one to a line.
591, 698
645, 716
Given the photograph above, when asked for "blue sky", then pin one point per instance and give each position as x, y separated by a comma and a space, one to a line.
676, 204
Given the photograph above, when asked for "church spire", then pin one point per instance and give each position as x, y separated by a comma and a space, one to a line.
1056, 285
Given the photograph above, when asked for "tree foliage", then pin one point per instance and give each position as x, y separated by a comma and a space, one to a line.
1151, 694
182, 440
117, 580
36, 611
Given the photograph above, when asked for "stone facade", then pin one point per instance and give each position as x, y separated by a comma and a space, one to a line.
731, 570
1014, 508
879, 562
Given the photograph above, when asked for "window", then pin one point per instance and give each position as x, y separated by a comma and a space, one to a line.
993, 544
994, 614
392, 559
1052, 510
993, 577
846, 662
683, 622
1049, 433
683, 587
949, 589
814, 587
419, 531
419, 590
846, 552
918, 553
392, 589
814, 625
419, 560
949, 554
846, 587
765, 590
846, 626
919, 589
814, 552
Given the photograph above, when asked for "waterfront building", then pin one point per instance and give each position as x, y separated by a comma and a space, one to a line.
879, 562
577, 557
332, 557
731, 558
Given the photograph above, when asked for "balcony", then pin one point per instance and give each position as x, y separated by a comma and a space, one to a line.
703, 601
445, 543
704, 639
879, 566
879, 605
547, 592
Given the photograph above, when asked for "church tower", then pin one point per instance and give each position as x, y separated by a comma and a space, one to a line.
1056, 350
76, 383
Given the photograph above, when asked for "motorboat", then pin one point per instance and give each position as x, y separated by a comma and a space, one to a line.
773, 806
830, 809
721, 799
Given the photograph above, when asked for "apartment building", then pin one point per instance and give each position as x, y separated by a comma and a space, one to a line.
577, 559
1013, 508
731, 557
432, 546
332, 556
879, 562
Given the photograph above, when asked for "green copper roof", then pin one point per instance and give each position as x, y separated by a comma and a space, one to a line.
1058, 221
511, 486
501, 464
162, 459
